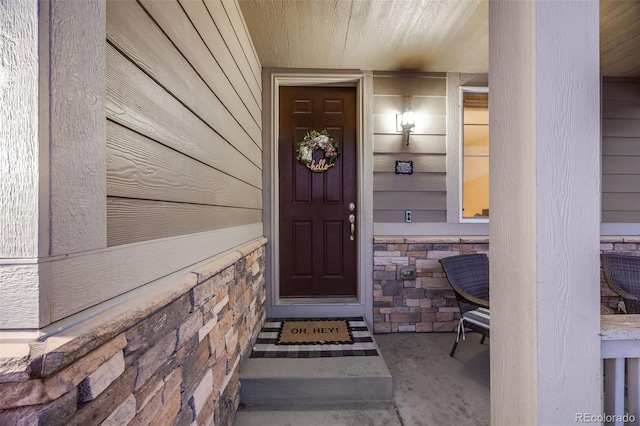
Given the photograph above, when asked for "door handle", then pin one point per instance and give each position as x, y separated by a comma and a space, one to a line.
352, 220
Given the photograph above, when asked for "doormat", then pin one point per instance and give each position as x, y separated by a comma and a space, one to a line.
267, 346
316, 332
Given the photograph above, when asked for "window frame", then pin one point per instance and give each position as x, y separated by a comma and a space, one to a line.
461, 92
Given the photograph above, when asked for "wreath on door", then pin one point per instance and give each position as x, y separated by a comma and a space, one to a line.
314, 141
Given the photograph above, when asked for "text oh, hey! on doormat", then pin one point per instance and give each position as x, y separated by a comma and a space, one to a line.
267, 346
315, 332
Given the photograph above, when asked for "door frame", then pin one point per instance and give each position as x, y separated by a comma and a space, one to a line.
362, 305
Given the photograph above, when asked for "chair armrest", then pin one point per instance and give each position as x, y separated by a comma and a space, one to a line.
471, 299
624, 294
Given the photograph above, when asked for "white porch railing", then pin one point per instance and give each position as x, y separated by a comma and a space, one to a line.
620, 351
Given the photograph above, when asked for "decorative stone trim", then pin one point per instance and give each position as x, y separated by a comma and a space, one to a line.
427, 304
169, 356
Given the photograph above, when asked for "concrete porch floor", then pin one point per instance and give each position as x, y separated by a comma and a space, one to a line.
430, 388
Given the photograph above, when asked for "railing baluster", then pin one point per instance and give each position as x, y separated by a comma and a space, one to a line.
633, 388
614, 389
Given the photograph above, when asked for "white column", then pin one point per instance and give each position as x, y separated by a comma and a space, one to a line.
24, 164
544, 108
19, 142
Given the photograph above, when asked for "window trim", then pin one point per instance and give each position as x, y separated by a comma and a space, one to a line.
461, 91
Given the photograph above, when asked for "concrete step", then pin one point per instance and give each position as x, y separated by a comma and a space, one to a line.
362, 413
303, 374
286, 381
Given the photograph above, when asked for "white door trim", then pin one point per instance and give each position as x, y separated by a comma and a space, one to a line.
363, 304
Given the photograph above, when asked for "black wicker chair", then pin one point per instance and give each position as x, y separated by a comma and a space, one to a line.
622, 275
468, 275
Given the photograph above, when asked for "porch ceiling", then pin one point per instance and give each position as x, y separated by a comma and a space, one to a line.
409, 35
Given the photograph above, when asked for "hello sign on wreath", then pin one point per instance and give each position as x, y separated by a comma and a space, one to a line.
314, 141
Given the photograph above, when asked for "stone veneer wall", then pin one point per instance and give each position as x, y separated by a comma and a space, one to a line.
169, 357
427, 304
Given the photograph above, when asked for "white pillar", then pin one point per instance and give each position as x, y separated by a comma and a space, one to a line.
544, 108
24, 163
19, 142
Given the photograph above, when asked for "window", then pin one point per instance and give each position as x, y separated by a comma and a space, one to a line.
474, 190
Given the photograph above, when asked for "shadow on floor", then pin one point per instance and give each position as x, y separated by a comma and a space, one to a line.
430, 387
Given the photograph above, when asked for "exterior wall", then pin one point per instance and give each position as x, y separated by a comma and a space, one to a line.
184, 147
172, 356
423, 192
428, 304
175, 168
432, 193
621, 150
620, 144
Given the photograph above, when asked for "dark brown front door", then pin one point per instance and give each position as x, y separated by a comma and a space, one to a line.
317, 253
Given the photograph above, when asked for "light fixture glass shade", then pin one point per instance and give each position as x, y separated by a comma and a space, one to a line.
408, 119
406, 122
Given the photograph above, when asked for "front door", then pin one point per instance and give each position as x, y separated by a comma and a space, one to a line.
318, 244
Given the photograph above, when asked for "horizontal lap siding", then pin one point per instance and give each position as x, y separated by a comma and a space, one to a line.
621, 151
147, 170
423, 192
184, 150
140, 220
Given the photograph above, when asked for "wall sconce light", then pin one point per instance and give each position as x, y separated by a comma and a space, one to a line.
406, 122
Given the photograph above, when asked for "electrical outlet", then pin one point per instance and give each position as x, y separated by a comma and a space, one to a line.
406, 273
407, 216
